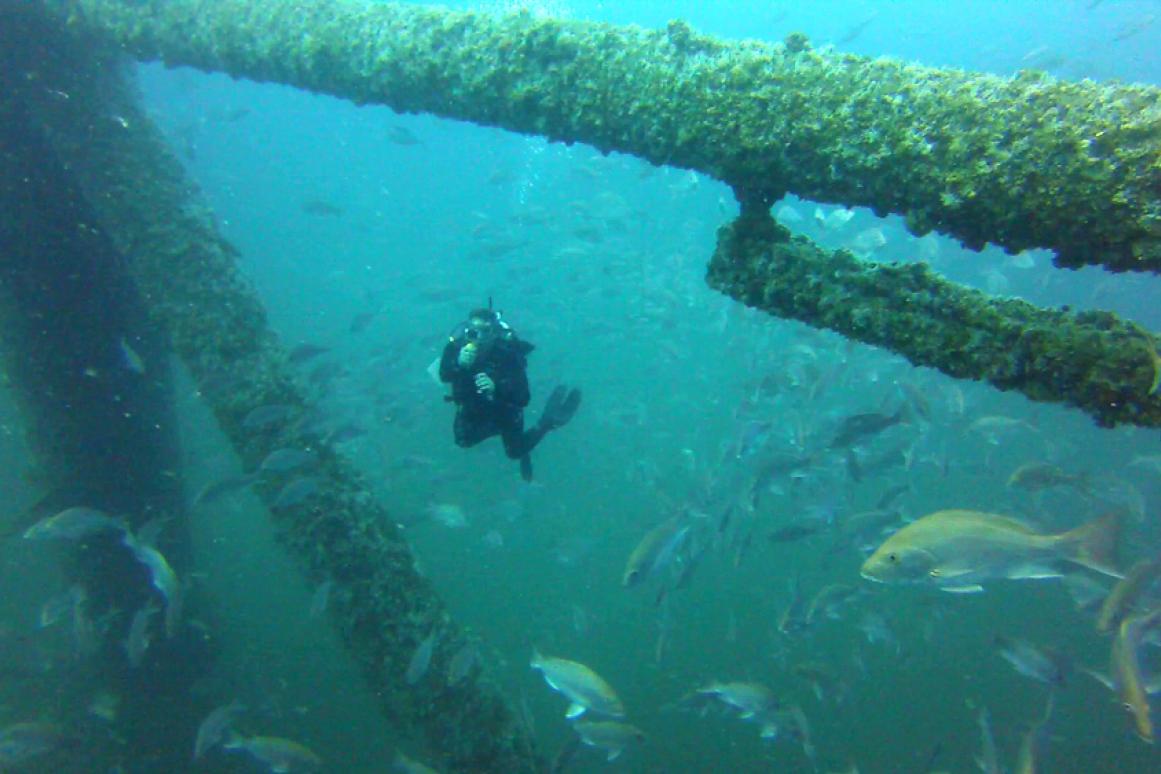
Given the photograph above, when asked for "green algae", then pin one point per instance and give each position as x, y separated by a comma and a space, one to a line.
1022, 162
1093, 361
193, 290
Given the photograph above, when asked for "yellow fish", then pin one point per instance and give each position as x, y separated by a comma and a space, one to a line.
958, 550
1126, 670
656, 552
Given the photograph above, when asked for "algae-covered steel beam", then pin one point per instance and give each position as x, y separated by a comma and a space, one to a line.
186, 274
1022, 162
1092, 360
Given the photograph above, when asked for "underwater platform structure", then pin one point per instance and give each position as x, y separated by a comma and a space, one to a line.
1023, 162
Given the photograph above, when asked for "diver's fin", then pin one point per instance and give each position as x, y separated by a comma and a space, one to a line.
553, 404
560, 407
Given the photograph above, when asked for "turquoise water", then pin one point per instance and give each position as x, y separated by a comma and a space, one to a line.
404, 223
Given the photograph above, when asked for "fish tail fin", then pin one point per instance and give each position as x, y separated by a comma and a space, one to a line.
1094, 544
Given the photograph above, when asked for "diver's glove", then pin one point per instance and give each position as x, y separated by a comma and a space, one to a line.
485, 386
467, 355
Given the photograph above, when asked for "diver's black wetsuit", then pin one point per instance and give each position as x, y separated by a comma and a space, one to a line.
479, 417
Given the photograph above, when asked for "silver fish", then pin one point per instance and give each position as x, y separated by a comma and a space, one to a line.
1048, 667
217, 489
138, 640
21, 742
285, 460
656, 552
163, 578
59, 606
130, 358
296, 492
321, 598
753, 701
421, 658
608, 735
404, 764
584, 688
264, 416
989, 760
74, 524
280, 755
212, 731
461, 663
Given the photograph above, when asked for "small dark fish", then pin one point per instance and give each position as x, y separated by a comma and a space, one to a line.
793, 618
235, 114
264, 416
401, 135
321, 208
793, 532
898, 456
344, 433
890, 494
752, 438
1135, 27
859, 426
857, 29
360, 322
325, 372
827, 602
296, 491
305, 351
918, 400
1036, 476
854, 469
860, 529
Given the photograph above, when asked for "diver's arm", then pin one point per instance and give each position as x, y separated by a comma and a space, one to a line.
461, 379
448, 367
511, 384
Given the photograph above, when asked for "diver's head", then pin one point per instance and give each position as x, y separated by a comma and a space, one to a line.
484, 327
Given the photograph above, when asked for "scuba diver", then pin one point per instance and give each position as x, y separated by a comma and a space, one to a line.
484, 362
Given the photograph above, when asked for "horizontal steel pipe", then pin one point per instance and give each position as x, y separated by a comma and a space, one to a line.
1022, 162
1094, 361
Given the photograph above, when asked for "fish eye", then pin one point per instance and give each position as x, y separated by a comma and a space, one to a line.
892, 557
